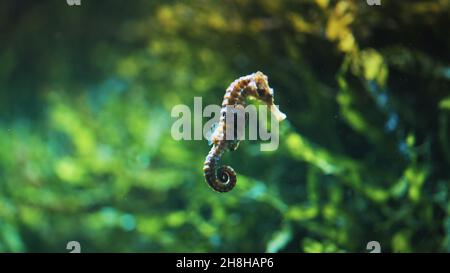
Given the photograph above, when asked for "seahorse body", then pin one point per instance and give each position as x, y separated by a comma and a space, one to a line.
255, 85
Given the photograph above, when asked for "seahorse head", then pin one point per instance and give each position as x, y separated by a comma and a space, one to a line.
262, 91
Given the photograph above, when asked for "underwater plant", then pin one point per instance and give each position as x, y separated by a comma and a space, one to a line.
256, 86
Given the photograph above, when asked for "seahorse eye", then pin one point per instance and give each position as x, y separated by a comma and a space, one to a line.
260, 92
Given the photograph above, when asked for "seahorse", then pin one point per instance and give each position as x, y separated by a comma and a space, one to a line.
255, 85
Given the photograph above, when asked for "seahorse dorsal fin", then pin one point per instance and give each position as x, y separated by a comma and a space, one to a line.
211, 132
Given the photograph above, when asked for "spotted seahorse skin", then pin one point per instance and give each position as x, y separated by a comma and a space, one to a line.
255, 85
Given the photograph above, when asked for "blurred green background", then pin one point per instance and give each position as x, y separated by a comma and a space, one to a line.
86, 152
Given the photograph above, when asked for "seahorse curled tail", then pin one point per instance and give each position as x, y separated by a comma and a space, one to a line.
222, 179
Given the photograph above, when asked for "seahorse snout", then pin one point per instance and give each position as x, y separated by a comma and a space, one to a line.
277, 113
